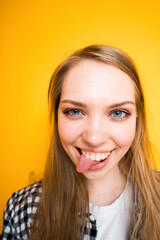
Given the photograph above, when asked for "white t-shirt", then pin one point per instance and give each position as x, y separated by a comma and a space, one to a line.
114, 221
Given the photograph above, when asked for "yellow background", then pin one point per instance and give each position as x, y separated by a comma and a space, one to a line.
35, 36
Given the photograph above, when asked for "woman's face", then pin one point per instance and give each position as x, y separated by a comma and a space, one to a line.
96, 117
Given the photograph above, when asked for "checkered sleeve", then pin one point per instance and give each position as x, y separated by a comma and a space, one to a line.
19, 212
90, 225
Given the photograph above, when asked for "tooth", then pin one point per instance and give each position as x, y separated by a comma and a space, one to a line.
107, 154
83, 152
87, 156
93, 157
98, 157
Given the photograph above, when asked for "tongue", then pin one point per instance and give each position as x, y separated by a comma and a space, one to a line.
84, 164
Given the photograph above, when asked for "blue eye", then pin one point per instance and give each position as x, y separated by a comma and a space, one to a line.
120, 114
74, 112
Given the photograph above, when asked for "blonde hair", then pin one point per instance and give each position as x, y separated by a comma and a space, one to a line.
65, 195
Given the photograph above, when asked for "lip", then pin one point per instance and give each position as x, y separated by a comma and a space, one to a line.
96, 165
100, 165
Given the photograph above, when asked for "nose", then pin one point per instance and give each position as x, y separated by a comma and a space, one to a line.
95, 132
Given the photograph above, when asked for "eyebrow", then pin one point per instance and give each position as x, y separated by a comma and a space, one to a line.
80, 104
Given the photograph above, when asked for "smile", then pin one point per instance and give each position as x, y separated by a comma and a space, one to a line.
95, 156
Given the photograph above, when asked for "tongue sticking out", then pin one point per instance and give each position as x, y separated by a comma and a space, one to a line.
84, 164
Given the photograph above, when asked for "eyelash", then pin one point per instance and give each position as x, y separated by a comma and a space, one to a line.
68, 112
126, 113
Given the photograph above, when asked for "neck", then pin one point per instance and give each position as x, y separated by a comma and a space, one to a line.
106, 190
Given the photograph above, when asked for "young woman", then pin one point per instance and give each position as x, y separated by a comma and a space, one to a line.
98, 182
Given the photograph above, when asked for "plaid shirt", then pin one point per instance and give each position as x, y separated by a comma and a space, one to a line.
20, 211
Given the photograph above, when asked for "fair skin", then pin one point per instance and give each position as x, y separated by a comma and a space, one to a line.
97, 116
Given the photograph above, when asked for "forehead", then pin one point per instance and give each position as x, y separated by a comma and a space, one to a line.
92, 81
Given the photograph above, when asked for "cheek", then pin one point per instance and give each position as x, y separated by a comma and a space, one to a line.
67, 131
124, 134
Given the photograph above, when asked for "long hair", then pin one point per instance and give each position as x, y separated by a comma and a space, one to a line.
64, 204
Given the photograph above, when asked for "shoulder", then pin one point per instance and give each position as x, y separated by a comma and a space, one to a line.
24, 199
20, 210
27, 194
